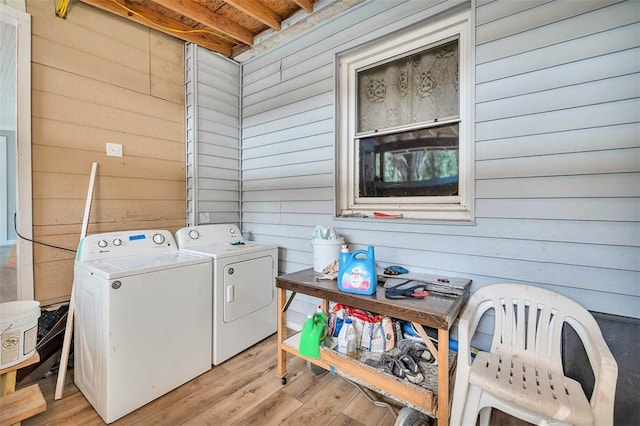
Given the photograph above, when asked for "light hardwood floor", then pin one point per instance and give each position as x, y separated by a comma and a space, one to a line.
244, 390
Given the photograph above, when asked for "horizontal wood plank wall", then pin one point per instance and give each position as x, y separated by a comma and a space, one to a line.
556, 158
213, 137
98, 78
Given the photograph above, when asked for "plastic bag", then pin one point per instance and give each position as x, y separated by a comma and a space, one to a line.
374, 333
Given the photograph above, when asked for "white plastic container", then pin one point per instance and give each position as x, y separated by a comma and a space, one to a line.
18, 331
325, 252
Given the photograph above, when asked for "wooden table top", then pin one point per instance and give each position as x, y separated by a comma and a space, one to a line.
437, 310
31, 360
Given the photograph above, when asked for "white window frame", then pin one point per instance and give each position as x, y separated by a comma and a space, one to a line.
455, 208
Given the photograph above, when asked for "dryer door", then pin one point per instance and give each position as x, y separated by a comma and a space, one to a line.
248, 287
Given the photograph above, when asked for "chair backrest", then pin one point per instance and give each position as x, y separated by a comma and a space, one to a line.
528, 321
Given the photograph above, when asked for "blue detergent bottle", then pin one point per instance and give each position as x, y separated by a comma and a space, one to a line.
357, 271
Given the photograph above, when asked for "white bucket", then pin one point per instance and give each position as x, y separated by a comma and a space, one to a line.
325, 252
18, 331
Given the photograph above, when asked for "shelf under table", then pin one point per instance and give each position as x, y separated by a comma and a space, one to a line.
422, 396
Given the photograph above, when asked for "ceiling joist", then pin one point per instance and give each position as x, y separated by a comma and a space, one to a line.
306, 5
170, 26
228, 27
258, 11
208, 18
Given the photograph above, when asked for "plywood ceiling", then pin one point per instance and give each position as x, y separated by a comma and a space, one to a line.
227, 27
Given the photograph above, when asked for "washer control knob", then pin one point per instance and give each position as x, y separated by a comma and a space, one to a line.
102, 243
117, 242
232, 231
158, 238
194, 235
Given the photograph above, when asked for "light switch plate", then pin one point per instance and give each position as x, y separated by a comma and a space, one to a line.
114, 149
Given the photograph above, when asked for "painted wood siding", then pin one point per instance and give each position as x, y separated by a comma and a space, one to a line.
97, 78
213, 138
557, 156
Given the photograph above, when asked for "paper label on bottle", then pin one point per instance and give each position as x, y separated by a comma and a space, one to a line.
357, 279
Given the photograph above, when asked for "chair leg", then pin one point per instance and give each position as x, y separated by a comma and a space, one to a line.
485, 416
458, 403
471, 406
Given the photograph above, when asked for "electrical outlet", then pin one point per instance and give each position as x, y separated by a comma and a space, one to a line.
114, 149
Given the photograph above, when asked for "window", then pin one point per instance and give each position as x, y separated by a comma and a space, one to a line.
404, 141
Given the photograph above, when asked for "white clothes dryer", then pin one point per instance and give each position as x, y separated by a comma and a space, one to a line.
244, 292
142, 319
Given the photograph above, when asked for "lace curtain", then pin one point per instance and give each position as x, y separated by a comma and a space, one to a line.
414, 89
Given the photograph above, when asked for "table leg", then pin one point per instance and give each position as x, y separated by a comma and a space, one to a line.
8, 375
442, 413
282, 326
8, 382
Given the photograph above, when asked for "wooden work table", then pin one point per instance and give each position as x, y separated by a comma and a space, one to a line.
438, 310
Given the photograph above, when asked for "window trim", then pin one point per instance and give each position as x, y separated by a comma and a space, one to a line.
458, 208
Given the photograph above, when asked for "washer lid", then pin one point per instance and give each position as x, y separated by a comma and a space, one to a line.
228, 249
119, 267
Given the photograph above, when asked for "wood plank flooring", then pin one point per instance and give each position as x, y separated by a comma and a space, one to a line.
244, 390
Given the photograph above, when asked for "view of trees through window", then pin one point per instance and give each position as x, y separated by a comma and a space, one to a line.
416, 163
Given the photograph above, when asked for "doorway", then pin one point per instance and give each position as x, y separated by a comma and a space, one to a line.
8, 158
16, 254
8, 261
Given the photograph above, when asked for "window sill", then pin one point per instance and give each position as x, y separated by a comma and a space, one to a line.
363, 217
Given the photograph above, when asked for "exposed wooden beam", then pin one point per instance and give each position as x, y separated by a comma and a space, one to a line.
206, 17
258, 11
307, 5
135, 13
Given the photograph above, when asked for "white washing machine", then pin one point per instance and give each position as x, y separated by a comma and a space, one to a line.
142, 319
244, 292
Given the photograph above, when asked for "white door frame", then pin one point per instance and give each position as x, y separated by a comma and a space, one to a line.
22, 21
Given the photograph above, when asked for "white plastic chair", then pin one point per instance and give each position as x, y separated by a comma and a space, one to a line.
522, 375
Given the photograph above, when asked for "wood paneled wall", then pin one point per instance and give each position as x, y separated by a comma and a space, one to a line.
98, 78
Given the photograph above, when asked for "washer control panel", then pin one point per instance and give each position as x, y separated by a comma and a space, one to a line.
201, 235
124, 243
